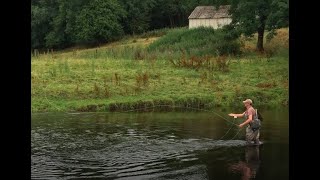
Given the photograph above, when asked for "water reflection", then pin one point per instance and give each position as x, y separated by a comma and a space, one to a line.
250, 166
154, 146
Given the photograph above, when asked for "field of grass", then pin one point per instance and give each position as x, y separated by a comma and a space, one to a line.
123, 76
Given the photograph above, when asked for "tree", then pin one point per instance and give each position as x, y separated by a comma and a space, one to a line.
100, 21
171, 13
62, 33
57, 36
42, 13
138, 15
256, 16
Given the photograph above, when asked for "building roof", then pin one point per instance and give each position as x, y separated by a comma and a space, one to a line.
210, 12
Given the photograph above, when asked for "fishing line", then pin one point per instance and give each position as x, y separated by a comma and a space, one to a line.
177, 107
228, 129
45, 96
236, 134
51, 103
173, 106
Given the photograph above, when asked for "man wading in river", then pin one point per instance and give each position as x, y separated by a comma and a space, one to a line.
251, 116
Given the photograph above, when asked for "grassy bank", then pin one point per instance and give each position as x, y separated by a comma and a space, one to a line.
125, 75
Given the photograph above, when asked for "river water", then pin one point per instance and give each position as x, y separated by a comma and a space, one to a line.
157, 145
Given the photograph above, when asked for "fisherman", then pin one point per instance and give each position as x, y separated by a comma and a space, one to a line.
251, 116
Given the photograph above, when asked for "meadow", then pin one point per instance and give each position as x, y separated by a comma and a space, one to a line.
162, 69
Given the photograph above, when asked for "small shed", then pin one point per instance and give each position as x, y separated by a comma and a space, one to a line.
210, 16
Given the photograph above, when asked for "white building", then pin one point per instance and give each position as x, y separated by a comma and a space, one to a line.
209, 16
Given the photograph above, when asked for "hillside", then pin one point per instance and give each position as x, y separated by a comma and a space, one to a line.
126, 75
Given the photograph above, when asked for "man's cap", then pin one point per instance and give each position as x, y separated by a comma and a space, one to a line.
247, 101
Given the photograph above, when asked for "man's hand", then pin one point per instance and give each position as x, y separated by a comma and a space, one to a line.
231, 114
240, 125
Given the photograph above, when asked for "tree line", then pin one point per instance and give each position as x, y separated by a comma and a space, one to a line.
62, 23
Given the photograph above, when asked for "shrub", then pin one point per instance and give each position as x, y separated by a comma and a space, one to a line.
198, 42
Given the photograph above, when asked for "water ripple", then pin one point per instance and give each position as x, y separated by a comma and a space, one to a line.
102, 147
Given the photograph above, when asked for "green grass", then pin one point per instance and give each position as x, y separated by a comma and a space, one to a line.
196, 42
113, 77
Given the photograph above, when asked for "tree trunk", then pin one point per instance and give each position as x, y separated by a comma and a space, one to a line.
261, 33
260, 40
170, 19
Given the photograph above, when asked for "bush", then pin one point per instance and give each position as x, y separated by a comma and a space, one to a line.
198, 41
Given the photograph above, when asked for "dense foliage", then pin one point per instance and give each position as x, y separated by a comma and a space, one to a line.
63, 23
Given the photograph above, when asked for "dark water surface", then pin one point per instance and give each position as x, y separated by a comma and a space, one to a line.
170, 145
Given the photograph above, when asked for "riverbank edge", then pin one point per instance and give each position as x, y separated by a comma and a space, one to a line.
147, 105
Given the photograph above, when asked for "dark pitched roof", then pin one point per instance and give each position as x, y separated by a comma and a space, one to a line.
210, 12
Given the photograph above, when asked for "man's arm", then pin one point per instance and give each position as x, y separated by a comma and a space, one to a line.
236, 115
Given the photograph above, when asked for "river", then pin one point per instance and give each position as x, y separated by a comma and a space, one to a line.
157, 145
